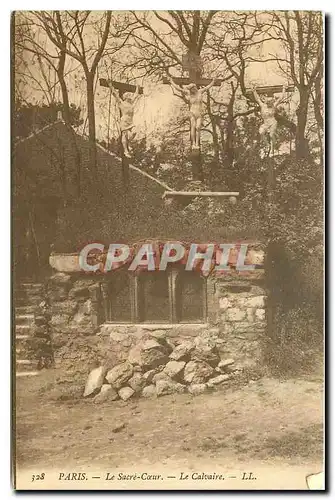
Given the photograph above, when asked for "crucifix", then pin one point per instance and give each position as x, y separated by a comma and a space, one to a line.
192, 89
268, 108
126, 96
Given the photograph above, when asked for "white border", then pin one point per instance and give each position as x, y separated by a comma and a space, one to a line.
326, 6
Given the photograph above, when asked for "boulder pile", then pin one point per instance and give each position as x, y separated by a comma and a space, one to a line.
155, 367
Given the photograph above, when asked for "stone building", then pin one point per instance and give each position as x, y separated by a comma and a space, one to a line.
94, 319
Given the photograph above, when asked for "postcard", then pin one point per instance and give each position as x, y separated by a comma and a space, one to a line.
167, 250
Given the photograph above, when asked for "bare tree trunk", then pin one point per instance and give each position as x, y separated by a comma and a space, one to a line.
91, 122
317, 103
216, 146
215, 136
301, 143
229, 144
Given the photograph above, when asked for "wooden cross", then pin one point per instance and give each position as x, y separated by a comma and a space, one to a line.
200, 82
269, 91
120, 86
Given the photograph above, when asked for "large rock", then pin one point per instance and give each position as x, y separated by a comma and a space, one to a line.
197, 372
158, 334
258, 301
225, 363
235, 314
182, 351
83, 314
260, 314
197, 389
149, 375
64, 307
80, 289
148, 354
212, 357
160, 376
58, 286
137, 382
149, 391
174, 368
149, 344
59, 279
224, 303
95, 380
206, 350
168, 386
105, 388
220, 379
126, 393
206, 341
59, 320
107, 393
120, 374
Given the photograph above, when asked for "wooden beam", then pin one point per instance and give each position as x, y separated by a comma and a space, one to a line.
124, 87
125, 170
196, 161
200, 193
165, 186
270, 90
203, 82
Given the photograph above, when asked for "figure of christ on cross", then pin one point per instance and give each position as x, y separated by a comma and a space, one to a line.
268, 110
193, 95
126, 106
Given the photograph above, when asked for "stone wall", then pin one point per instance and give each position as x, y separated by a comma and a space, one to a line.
242, 320
236, 307
73, 308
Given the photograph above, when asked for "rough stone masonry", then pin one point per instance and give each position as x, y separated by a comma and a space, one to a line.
81, 340
156, 367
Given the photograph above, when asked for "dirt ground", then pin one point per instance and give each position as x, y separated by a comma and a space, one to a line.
266, 421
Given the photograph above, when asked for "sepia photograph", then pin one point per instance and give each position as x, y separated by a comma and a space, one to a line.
167, 214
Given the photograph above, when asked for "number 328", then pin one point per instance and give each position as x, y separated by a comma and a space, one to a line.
38, 477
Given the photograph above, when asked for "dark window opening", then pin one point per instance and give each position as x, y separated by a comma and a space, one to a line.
118, 303
154, 304
190, 297
174, 296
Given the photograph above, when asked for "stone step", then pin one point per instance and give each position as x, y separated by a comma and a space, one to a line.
29, 291
31, 286
26, 362
27, 301
28, 296
22, 329
25, 310
26, 365
22, 337
24, 319
26, 374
